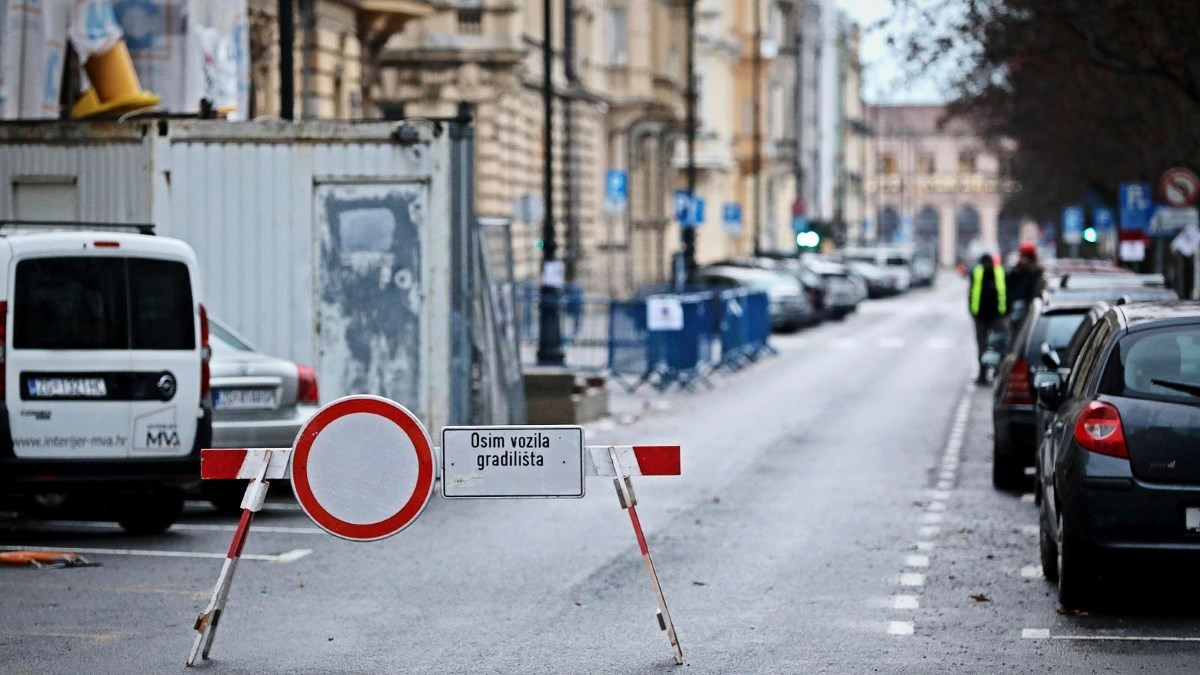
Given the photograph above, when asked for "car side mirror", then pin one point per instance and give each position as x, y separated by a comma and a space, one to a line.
1050, 357
1049, 389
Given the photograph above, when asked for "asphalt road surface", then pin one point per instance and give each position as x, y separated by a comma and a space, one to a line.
835, 514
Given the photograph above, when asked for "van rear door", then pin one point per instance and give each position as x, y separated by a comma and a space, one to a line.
165, 352
68, 358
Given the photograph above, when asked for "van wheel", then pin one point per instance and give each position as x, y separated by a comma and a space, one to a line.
151, 513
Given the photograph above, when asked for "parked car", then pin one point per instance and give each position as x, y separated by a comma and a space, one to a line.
880, 284
894, 261
1121, 476
259, 401
814, 285
843, 289
789, 304
104, 373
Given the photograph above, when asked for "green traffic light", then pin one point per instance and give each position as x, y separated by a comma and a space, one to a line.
808, 239
1089, 235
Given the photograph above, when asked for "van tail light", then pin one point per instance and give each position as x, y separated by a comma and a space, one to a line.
3, 347
1017, 391
1099, 430
205, 355
306, 385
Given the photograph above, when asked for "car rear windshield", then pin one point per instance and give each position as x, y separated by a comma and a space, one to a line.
1056, 329
102, 303
1162, 365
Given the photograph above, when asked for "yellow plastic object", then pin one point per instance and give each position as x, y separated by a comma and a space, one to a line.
115, 87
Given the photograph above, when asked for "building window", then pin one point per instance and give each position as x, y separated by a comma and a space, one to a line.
618, 36
966, 161
887, 164
926, 166
470, 21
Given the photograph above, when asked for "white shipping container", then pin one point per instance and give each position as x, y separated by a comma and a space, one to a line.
33, 42
327, 243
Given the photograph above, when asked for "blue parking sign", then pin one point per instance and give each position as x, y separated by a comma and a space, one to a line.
1072, 224
1102, 218
1136, 206
731, 217
683, 206
616, 190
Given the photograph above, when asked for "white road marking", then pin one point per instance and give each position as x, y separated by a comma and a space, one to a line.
1027, 498
891, 343
1032, 572
905, 602
936, 506
912, 579
944, 484
939, 494
941, 343
842, 343
916, 561
931, 518
282, 506
925, 546
1031, 530
287, 557
929, 531
1044, 634
900, 628
184, 527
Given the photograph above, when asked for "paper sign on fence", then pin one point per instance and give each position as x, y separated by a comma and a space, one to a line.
664, 313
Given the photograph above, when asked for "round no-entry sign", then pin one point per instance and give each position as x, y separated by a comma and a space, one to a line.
363, 468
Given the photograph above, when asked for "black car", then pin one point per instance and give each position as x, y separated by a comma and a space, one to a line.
1014, 439
1121, 473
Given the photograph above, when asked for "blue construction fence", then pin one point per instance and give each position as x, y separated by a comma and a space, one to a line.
662, 339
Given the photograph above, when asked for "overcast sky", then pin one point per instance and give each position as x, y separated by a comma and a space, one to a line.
883, 81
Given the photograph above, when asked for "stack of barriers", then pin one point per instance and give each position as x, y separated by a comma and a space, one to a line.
723, 330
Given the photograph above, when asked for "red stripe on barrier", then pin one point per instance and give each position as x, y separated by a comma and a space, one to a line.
657, 460
220, 464
637, 529
239, 536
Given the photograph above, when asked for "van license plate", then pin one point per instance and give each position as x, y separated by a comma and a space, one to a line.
67, 387
244, 399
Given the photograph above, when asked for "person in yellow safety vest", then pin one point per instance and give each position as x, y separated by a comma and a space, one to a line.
988, 303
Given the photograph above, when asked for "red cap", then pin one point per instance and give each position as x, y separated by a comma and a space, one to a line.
1027, 248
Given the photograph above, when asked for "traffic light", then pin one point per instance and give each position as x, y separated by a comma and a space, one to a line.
1089, 235
808, 239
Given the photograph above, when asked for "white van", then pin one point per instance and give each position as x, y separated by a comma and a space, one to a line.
104, 370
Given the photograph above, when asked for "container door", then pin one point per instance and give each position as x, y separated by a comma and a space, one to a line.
371, 290
68, 358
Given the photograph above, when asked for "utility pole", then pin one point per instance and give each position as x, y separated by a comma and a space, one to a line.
756, 133
550, 351
798, 205
287, 73
688, 234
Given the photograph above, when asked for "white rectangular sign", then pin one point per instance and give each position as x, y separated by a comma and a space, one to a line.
664, 313
512, 462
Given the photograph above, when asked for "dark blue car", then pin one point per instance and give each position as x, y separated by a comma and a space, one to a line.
1121, 457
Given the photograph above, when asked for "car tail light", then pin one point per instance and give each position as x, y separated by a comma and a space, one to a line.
1016, 392
205, 354
1099, 430
3, 346
306, 385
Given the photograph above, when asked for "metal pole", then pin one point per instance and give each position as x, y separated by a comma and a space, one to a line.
550, 352
571, 254
756, 133
687, 234
287, 73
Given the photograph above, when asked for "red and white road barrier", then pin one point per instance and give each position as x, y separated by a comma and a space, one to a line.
350, 455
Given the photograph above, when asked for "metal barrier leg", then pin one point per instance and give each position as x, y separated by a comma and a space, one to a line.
629, 503
206, 624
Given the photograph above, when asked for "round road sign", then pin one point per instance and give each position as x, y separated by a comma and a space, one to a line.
1180, 187
363, 468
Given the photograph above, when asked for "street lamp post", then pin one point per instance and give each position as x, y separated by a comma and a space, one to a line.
550, 351
688, 234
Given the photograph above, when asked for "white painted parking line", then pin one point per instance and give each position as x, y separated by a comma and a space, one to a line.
905, 602
916, 561
1032, 572
1027, 498
1044, 634
182, 527
912, 579
900, 628
287, 557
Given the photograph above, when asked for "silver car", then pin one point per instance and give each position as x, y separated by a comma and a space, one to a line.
259, 401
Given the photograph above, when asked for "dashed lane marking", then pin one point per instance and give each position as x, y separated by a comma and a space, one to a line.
1032, 572
286, 557
916, 561
912, 579
929, 531
891, 343
1027, 498
900, 628
1044, 634
905, 602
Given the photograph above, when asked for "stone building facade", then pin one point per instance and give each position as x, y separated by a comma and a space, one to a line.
936, 185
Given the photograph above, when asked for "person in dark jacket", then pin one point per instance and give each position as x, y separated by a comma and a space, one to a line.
1022, 282
988, 303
